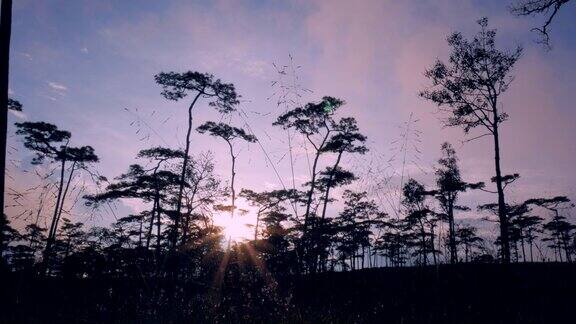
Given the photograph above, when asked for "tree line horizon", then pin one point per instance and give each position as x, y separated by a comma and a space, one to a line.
294, 232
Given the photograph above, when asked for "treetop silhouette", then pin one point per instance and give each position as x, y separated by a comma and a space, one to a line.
225, 131
308, 120
539, 7
14, 105
176, 86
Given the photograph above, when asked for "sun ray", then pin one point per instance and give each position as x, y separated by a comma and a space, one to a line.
219, 276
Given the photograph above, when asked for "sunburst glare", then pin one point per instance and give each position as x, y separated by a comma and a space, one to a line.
240, 227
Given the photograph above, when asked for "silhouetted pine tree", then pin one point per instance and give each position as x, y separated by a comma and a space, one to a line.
267, 202
155, 184
420, 219
70, 237
449, 185
48, 142
228, 134
7, 235
314, 121
202, 191
466, 237
469, 90
561, 231
221, 96
355, 228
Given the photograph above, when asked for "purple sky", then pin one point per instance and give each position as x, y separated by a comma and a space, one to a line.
79, 64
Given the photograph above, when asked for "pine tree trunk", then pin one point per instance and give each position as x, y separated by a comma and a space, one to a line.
232, 189
423, 244
54, 224
452, 234
5, 31
159, 226
502, 217
174, 238
523, 247
327, 193
565, 241
256, 226
140, 232
433, 246
531, 251
68, 248
151, 226
189, 214
303, 258
311, 191
329, 184
65, 193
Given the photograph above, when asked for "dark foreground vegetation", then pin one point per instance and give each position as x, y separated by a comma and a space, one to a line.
464, 293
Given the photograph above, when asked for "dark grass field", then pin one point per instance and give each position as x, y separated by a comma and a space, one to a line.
478, 293
472, 293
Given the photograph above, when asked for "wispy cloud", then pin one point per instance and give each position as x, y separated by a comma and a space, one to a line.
18, 114
255, 68
49, 97
84, 50
57, 86
270, 185
28, 56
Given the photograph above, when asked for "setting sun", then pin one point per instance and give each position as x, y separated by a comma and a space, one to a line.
236, 229
240, 227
